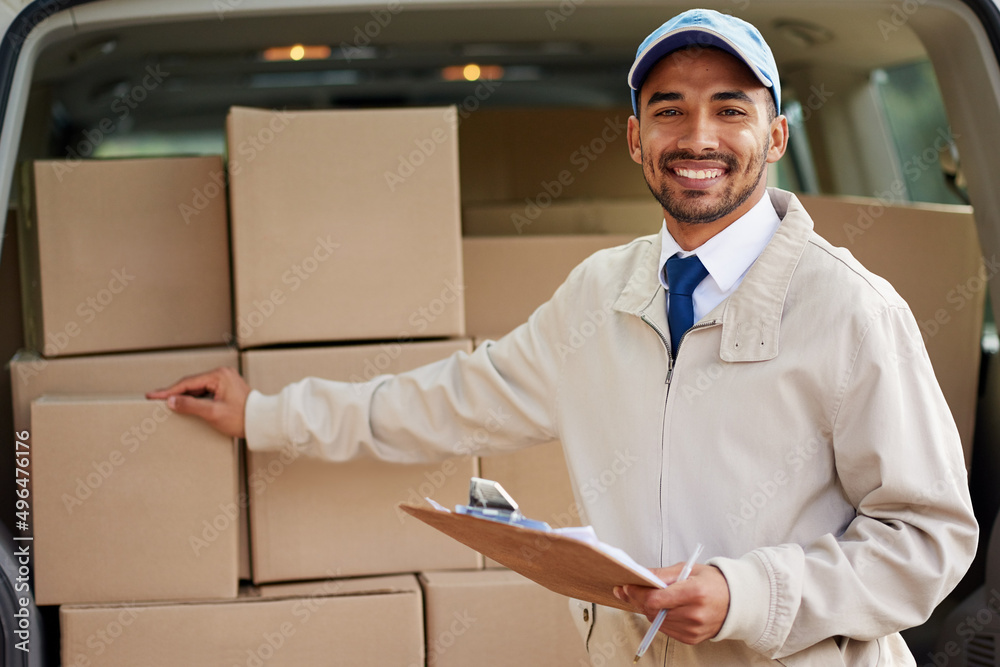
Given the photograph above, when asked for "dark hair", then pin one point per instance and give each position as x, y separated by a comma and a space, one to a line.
772, 106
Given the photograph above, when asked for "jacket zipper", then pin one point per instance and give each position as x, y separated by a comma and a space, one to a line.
670, 374
700, 325
666, 343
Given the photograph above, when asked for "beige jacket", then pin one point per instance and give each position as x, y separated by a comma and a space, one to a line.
802, 437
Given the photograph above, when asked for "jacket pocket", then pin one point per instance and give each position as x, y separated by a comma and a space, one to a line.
826, 653
583, 618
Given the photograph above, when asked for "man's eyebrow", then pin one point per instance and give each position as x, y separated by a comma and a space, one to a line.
664, 97
723, 96
729, 95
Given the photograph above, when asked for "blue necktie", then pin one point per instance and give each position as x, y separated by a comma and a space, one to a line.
683, 275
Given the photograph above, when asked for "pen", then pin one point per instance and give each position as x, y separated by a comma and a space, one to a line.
662, 614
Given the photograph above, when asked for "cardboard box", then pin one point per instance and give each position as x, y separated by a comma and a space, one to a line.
507, 278
312, 519
930, 253
124, 255
132, 502
544, 155
346, 225
634, 217
350, 623
497, 618
32, 376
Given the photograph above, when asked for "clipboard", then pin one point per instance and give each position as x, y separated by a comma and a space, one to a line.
562, 564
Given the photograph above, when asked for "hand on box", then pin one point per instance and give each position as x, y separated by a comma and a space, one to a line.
219, 397
697, 606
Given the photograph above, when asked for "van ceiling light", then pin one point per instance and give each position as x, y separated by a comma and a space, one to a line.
295, 53
803, 34
472, 72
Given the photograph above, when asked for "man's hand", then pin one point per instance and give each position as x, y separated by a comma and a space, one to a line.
698, 605
219, 397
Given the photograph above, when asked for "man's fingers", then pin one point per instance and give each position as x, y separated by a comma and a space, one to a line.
694, 590
192, 384
219, 397
674, 595
669, 574
647, 600
188, 405
697, 606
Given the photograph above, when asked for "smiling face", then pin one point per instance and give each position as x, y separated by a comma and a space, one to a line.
704, 138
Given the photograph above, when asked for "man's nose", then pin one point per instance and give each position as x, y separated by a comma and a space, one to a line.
699, 134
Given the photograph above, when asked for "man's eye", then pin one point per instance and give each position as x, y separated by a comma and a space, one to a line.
733, 112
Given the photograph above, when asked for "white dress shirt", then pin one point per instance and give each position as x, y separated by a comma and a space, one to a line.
728, 255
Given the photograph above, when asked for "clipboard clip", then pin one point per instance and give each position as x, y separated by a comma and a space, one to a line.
488, 500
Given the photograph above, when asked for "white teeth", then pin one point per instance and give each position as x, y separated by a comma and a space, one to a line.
699, 174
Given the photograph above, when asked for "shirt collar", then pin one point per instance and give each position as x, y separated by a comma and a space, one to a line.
729, 254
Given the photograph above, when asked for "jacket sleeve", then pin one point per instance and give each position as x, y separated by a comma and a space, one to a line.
900, 464
497, 399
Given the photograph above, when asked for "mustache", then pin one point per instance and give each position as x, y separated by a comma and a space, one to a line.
727, 159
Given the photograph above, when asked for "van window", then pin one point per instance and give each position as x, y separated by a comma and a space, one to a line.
796, 171
158, 145
914, 111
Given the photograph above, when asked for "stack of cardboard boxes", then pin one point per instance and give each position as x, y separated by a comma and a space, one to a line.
120, 482
339, 255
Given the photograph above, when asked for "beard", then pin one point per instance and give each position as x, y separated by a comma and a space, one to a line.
686, 207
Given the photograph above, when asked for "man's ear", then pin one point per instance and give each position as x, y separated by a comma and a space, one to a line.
634, 141
778, 139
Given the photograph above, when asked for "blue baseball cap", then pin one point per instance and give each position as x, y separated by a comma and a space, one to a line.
701, 28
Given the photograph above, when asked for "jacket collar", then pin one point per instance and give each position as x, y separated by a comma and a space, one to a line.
751, 316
